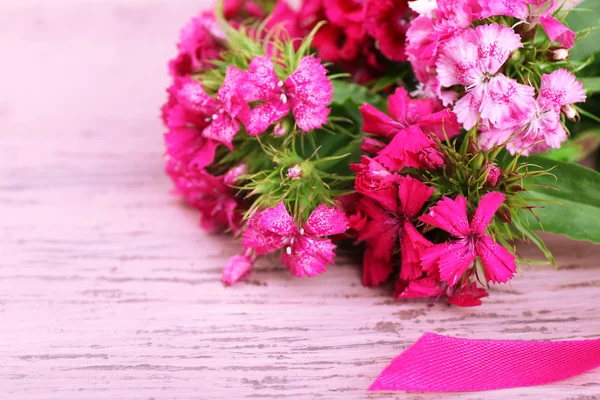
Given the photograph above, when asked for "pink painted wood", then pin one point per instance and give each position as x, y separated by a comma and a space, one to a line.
108, 288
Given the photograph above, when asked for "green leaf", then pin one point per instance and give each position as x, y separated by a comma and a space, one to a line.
578, 21
572, 208
592, 84
576, 149
345, 93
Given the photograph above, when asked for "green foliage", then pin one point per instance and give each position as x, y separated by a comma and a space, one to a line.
582, 20
566, 202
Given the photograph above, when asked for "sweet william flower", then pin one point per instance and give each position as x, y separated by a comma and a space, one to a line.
432, 158
306, 93
468, 242
560, 89
405, 149
387, 22
308, 251
405, 112
468, 296
390, 222
238, 267
473, 59
493, 175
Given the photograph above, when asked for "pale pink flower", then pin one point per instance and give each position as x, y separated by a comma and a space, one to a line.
307, 250
423, 7
561, 89
306, 93
237, 267
454, 258
473, 59
540, 129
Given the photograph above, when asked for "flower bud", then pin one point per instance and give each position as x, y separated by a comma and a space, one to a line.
504, 214
432, 158
559, 54
279, 130
570, 112
372, 146
234, 173
294, 172
493, 174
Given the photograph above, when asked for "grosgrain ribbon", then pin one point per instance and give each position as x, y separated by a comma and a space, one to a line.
438, 363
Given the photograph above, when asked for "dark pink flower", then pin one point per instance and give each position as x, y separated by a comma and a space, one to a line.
387, 22
238, 267
348, 14
469, 241
405, 148
373, 179
405, 112
511, 8
468, 296
200, 43
418, 288
307, 250
209, 194
389, 222
306, 93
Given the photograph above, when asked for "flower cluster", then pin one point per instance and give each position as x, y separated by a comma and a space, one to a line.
418, 170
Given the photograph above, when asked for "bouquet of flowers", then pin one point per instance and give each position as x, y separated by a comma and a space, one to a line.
413, 134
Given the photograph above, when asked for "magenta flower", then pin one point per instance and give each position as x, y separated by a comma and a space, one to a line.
406, 150
219, 210
557, 32
238, 267
200, 43
389, 222
473, 59
214, 117
387, 21
406, 112
306, 93
469, 241
511, 8
307, 250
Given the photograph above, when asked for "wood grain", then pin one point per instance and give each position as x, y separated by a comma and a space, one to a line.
108, 288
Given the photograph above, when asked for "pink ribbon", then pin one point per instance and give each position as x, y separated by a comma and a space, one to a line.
448, 364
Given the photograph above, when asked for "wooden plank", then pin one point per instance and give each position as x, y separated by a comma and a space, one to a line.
108, 288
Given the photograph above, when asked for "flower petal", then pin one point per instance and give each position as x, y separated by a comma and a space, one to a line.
557, 32
454, 259
498, 263
418, 289
412, 246
326, 221
310, 93
488, 205
277, 220
449, 215
222, 129
468, 296
237, 268
375, 270
378, 123
308, 256
413, 194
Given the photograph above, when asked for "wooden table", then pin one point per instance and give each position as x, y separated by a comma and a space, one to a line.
108, 288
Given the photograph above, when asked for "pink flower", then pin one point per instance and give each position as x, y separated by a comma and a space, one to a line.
406, 112
540, 129
373, 179
307, 251
561, 89
306, 93
199, 44
348, 14
387, 22
389, 222
214, 117
473, 59
511, 8
453, 258
210, 194
557, 32
187, 150
468, 296
405, 149
294, 172
418, 289
237, 268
